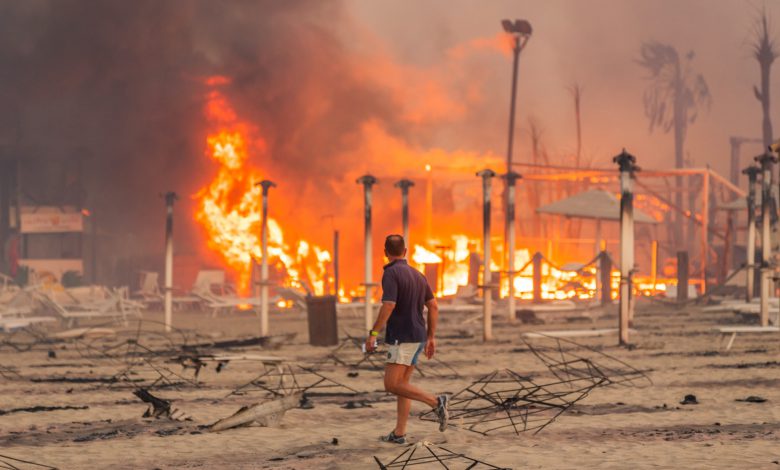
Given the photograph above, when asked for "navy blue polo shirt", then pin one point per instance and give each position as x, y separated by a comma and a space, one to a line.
409, 289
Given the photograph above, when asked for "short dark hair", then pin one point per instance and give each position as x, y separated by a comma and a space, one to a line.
394, 245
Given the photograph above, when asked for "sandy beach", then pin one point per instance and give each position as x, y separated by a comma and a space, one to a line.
96, 421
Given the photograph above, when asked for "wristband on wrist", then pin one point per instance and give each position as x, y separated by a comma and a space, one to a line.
373, 333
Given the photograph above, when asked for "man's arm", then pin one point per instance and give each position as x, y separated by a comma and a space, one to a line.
381, 320
433, 319
384, 315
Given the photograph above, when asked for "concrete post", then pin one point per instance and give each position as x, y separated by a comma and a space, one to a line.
487, 319
264, 326
752, 173
368, 181
511, 179
170, 198
627, 165
766, 160
405, 185
683, 269
537, 277
605, 272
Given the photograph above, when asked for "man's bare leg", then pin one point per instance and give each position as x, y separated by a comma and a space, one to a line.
404, 406
395, 384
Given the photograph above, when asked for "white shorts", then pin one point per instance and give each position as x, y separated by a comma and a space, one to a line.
404, 353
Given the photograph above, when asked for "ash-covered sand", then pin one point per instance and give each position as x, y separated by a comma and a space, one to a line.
95, 422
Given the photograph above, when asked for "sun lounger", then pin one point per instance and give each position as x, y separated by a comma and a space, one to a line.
217, 295
111, 308
734, 330
574, 333
84, 333
11, 324
226, 304
149, 292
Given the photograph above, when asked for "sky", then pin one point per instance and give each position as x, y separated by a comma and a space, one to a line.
596, 44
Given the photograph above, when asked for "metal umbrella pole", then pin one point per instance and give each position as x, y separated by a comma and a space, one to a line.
750, 266
511, 179
627, 164
405, 185
170, 199
368, 181
264, 327
766, 161
487, 285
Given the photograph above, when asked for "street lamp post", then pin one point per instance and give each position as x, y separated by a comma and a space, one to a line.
521, 31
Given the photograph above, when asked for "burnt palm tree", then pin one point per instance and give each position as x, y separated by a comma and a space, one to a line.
672, 101
765, 53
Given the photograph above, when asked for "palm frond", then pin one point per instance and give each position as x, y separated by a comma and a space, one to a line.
764, 46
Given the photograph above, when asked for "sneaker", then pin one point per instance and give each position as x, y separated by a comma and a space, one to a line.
442, 412
392, 438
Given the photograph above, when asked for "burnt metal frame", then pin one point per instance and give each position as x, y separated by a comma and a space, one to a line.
9, 372
38, 337
407, 458
9, 463
566, 365
165, 375
284, 387
433, 366
505, 399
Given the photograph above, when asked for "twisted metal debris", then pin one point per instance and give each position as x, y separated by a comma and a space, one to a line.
284, 380
12, 463
559, 355
504, 400
424, 452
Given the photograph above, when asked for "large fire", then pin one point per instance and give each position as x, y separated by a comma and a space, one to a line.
229, 208
452, 264
453, 267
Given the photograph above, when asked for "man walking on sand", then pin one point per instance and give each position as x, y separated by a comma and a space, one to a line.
405, 292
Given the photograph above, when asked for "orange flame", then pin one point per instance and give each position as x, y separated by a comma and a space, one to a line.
230, 207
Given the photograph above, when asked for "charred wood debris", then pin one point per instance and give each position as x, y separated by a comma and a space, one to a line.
153, 366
